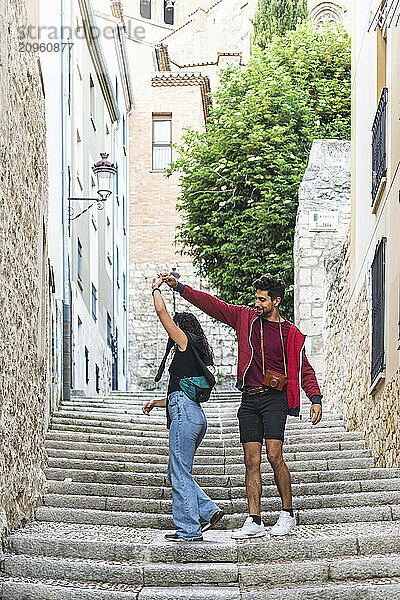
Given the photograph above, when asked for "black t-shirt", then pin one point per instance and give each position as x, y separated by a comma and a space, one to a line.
184, 364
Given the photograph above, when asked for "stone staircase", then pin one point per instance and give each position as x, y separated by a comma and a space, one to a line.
99, 534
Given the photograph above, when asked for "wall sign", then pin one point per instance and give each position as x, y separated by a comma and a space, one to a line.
323, 220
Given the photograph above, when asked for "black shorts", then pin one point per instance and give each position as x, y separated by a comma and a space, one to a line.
263, 416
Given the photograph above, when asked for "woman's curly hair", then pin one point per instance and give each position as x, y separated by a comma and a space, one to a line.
188, 322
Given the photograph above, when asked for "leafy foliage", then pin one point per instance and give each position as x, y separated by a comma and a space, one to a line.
240, 178
277, 17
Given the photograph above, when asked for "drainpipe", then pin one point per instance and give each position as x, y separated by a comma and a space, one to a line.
65, 233
114, 287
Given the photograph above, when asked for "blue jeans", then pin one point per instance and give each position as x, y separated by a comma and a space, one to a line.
191, 507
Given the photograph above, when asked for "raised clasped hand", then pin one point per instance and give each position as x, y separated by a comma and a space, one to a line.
169, 280
157, 281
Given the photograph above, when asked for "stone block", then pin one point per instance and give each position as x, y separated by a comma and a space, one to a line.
280, 573
318, 278
366, 568
304, 276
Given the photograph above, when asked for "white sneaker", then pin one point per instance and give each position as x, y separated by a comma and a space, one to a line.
284, 524
250, 529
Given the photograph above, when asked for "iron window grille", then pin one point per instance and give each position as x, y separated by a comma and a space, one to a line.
109, 330
94, 303
79, 261
387, 14
97, 379
379, 167
86, 365
378, 311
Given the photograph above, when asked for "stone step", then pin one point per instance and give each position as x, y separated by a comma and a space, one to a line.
146, 423
124, 544
208, 442
230, 438
161, 574
239, 505
316, 447
231, 481
227, 416
108, 454
201, 469
219, 493
376, 589
194, 593
321, 570
27, 589
121, 544
230, 521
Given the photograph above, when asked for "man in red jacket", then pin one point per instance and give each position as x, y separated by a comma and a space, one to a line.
272, 365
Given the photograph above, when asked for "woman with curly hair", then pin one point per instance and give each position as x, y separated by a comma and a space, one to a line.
190, 383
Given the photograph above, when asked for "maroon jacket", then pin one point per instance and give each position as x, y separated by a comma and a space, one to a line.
241, 318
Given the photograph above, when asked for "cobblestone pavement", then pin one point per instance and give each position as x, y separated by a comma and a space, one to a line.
99, 534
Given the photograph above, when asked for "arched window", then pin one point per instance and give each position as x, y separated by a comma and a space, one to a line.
145, 9
327, 12
169, 9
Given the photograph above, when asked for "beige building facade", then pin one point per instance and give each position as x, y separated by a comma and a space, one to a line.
363, 321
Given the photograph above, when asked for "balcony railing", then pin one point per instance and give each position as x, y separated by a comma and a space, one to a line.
379, 145
387, 14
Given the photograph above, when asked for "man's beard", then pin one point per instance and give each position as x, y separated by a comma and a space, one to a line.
266, 312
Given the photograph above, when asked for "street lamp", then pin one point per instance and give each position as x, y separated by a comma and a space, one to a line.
175, 273
104, 171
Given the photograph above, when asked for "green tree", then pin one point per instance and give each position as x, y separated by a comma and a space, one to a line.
275, 17
240, 178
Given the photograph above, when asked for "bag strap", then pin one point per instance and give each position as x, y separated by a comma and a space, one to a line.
262, 347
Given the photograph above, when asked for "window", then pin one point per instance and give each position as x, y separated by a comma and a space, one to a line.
123, 212
123, 362
117, 265
162, 142
94, 303
79, 261
124, 291
123, 131
379, 145
86, 365
109, 330
169, 12
378, 311
145, 9
97, 370
92, 101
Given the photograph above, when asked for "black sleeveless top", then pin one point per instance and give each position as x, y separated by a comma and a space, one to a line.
184, 364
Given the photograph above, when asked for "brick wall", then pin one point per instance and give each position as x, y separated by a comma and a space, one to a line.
153, 217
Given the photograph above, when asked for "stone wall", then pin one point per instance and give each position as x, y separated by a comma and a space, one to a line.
348, 366
23, 275
325, 192
148, 338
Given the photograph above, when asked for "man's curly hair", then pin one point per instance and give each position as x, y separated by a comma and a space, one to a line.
274, 286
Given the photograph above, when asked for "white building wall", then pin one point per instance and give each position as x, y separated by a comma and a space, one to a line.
72, 151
